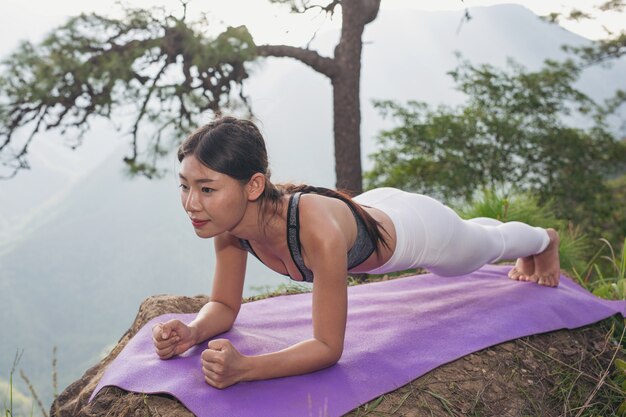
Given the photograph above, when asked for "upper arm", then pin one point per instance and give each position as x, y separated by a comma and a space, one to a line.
327, 250
230, 271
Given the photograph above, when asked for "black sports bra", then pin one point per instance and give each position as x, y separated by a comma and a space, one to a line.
361, 250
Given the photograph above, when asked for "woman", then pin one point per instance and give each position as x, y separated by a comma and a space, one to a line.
318, 235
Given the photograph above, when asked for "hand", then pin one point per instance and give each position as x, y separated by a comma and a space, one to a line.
172, 338
222, 365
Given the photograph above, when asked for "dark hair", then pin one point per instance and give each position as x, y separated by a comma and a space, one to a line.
235, 147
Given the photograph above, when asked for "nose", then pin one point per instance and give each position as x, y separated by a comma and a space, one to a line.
190, 202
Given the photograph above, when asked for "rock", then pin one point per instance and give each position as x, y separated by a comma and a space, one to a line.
496, 381
72, 402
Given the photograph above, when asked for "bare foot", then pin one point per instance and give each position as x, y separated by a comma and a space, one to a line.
524, 268
547, 266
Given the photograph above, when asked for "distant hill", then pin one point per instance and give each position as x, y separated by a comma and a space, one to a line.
73, 271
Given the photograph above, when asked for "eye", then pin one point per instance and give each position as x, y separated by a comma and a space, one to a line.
207, 190
183, 187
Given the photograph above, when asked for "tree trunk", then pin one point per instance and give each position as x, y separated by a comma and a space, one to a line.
344, 71
346, 92
347, 117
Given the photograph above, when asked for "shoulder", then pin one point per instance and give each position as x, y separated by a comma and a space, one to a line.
321, 210
321, 221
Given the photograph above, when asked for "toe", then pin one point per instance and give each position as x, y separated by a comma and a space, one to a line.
555, 281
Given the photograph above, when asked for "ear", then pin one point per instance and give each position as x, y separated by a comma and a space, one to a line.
255, 186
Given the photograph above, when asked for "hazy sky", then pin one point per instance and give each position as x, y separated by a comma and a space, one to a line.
267, 22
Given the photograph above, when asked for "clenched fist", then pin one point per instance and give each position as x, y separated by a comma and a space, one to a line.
222, 364
172, 338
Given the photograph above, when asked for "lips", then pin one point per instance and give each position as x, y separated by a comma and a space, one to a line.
198, 223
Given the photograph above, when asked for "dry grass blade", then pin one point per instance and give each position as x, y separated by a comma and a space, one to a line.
593, 378
604, 375
569, 394
443, 402
33, 393
55, 382
402, 400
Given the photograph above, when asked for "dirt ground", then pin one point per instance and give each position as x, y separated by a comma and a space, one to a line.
563, 373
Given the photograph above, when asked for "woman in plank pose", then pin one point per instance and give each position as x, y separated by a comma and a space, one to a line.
318, 235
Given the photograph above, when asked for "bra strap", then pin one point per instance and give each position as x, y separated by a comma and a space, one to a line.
293, 237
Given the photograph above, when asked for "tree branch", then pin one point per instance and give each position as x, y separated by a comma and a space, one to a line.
323, 65
305, 5
329, 9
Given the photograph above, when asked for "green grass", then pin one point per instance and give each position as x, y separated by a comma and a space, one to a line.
603, 274
606, 285
525, 207
15, 403
18, 404
283, 289
610, 286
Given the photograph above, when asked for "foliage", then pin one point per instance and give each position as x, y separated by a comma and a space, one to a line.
617, 187
611, 48
600, 52
266, 291
156, 66
515, 131
18, 403
612, 284
14, 402
164, 72
526, 208
609, 285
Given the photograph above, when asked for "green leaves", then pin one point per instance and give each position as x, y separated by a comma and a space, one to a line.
526, 208
519, 130
158, 68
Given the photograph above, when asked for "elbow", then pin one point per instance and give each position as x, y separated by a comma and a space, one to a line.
334, 360
328, 352
333, 355
228, 324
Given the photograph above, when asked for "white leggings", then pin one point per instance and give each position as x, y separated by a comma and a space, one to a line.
431, 235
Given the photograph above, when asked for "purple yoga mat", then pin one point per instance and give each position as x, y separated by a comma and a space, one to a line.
397, 330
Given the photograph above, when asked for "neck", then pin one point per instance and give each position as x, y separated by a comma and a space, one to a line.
267, 229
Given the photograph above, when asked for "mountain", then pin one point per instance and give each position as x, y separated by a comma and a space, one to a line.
76, 262
76, 281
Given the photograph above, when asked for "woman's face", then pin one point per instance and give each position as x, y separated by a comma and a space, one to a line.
215, 202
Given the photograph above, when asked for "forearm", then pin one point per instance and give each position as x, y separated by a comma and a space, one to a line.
212, 319
307, 356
